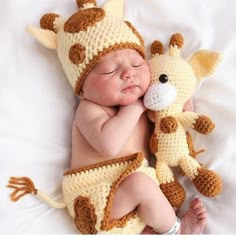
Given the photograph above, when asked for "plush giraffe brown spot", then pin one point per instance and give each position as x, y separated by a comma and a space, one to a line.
204, 125
81, 3
77, 53
85, 217
153, 144
81, 20
177, 39
168, 125
46, 21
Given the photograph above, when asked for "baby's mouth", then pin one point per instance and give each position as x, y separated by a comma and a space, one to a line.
130, 88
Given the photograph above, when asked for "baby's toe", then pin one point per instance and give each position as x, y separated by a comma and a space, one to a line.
197, 203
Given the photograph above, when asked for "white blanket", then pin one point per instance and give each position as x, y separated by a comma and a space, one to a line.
37, 105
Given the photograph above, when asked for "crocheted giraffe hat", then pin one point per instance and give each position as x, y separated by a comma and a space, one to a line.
86, 36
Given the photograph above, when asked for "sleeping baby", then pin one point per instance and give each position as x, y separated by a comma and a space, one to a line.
110, 188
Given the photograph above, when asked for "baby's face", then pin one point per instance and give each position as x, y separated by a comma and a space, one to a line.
120, 78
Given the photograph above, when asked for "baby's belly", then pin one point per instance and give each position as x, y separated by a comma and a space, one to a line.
83, 154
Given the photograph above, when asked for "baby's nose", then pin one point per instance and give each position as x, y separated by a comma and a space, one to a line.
128, 73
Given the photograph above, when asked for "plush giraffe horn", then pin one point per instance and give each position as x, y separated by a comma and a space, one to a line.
157, 48
82, 4
176, 43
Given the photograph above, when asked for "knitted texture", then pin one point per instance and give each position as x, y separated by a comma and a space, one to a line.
85, 37
89, 193
93, 188
174, 192
24, 185
207, 182
173, 80
21, 186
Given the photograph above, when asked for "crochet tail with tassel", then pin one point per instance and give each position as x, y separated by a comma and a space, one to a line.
24, 185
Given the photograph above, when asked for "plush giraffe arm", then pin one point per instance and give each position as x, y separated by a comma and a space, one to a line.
200, 123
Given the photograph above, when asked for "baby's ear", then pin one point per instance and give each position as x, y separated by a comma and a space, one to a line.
205, 62
114, 8
46, 37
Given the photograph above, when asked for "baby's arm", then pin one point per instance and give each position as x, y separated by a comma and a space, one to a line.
108, 134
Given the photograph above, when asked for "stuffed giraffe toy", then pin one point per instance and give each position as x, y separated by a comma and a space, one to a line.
173, 80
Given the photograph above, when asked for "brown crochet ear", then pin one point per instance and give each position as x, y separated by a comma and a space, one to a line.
47, 21
157, 48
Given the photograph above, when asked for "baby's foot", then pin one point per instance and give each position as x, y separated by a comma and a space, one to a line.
194, 220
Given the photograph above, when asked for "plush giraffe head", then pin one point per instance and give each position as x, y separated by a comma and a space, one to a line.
173, 79
86, 36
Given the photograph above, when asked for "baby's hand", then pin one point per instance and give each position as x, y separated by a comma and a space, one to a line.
137, 105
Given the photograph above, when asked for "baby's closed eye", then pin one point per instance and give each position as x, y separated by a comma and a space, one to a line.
137, 64
111, 71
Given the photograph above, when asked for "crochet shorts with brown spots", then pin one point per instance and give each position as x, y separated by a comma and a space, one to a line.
89, 193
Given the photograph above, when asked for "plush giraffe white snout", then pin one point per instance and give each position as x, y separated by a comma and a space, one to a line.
159, 96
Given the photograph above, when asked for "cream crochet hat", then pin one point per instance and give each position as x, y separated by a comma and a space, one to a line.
86, 36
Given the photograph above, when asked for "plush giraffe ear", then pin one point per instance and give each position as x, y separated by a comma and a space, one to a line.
114, 8
46, 37
205, 62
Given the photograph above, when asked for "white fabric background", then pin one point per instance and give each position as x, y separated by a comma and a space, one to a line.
37, 105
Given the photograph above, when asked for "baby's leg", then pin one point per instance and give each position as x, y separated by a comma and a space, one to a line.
193, 221
141, 192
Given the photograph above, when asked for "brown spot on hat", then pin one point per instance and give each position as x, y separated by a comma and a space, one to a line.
81, 20
77, 53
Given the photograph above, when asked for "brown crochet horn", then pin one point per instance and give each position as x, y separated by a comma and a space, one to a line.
82, 3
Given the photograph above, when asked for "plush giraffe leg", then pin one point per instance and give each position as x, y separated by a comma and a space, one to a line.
169, 185
206, 181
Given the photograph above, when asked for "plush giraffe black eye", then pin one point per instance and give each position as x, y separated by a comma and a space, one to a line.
163, 78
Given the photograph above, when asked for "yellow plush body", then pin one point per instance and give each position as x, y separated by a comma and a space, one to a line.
173, 80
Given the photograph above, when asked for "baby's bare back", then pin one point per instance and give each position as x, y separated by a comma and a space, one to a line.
83, 154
